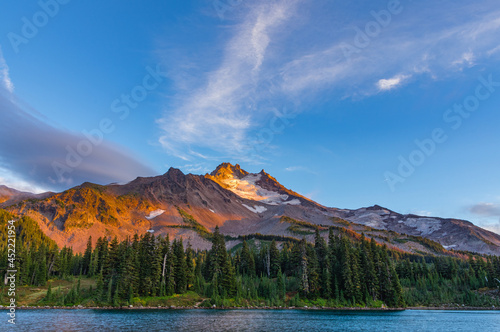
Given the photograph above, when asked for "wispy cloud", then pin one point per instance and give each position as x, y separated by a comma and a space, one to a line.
488, 215
466, 58
198, 168
485, 209
391, 83
294, 168
298, 169
218, 115
422, 213
7, 178
4, 74
260, 69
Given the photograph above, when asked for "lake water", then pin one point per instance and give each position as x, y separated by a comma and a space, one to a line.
252, 320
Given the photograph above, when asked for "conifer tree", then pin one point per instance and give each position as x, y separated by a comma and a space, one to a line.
274, 259
323, 264
87, 256
304, 276
179, 266
281, 285
189, 268
247, 261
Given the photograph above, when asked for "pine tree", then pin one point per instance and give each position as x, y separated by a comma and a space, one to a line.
281, 285
228, 283
217, 255
323, 264
48, 297
111, 265
304, 276
93, 263
333, 264
189, 268
87, 256
128, 276
274, 259
109, 297
313, 275
179, 267
247, 260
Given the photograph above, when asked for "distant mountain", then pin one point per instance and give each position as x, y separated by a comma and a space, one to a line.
11, 196
240, 203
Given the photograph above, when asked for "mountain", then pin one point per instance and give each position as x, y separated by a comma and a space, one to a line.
10, 196
240, 203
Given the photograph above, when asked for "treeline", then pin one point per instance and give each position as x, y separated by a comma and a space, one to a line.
341, 270
37, 257
346, 273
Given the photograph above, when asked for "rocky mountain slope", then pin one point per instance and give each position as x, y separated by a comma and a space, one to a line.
240, 203
11, 196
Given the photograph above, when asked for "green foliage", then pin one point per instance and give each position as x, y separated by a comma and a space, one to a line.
348, 270
298, 230
341, 221
304, 224
60, 203
193, 224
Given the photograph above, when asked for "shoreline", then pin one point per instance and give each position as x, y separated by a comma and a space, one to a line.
252, 308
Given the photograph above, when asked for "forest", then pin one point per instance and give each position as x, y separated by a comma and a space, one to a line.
340, 271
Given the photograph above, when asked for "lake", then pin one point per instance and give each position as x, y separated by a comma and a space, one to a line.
253, 320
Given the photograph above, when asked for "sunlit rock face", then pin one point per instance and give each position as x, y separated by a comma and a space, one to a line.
241, 203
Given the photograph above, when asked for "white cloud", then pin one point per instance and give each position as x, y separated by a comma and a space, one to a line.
299, 169
422, 213
437, 50
262, 67
198, 168
10, 180
466, 59
294, 168
391, 83
212, 116
493, 50
4, 74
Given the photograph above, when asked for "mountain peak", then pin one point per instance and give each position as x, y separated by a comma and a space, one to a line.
228, 170
172, 171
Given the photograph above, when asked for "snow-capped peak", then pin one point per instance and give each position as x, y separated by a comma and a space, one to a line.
246, 185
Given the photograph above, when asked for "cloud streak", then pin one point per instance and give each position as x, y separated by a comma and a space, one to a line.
260, 70
4, 74
218, 115
29, 147
489, 215
485, 209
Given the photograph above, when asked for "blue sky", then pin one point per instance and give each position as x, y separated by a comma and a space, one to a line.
350, 103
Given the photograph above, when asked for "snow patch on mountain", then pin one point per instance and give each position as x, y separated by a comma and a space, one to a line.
154, 214
424, 225
247, 187
294, 201
256, 208
370, 219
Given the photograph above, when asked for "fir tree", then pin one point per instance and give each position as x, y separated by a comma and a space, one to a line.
87, 256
